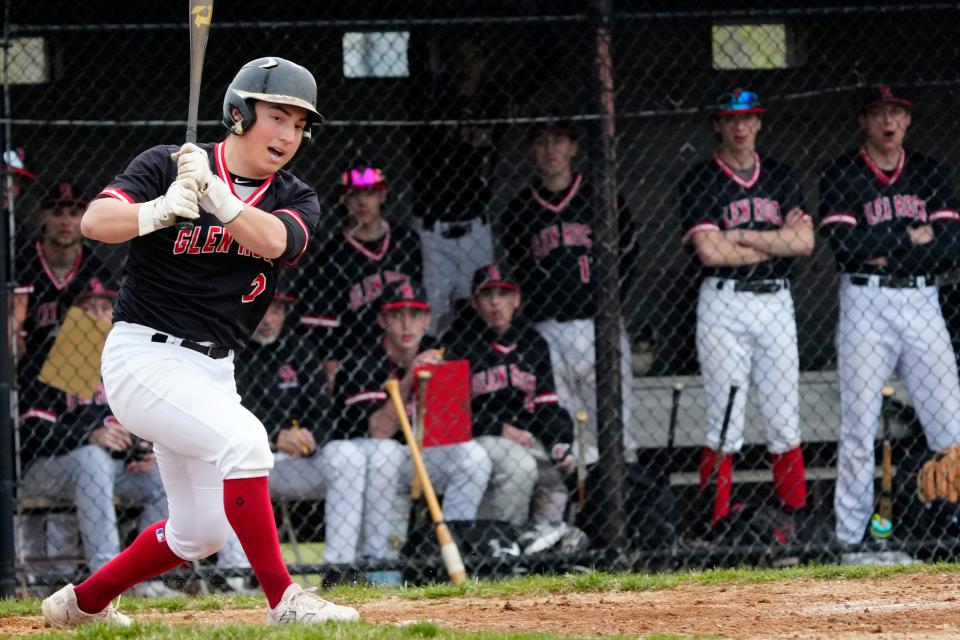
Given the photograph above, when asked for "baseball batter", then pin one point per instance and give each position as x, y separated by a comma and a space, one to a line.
190, 298
891, 218
744, 221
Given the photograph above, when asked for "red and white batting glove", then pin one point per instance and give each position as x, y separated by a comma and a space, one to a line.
219, 200
180, 200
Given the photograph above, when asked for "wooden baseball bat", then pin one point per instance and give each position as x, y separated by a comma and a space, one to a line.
448, 548
423, 377
199, 18
886, 482
581, 417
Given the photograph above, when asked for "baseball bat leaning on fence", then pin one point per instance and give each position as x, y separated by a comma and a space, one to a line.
581, 418
886, 483
672, 428
423, 377
199, 20
448, 548
710, 490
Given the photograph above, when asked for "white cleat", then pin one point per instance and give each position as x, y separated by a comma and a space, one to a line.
60, 611
304, 605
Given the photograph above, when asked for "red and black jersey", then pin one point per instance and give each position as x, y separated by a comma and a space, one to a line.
342, 285
200, 284
713, 196
282, 382
53, 422
48, 299
359, 390
549, 244
865, 212
511, 381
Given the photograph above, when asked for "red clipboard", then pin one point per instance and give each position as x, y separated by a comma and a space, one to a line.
447, 419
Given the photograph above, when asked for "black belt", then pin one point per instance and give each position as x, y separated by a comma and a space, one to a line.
754, 286
893, 282
209, 350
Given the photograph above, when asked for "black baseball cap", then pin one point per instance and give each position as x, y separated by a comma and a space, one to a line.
883, 94
96, 288
64, 193
362, 174
403, 295
737, 101
493, 277
555, 126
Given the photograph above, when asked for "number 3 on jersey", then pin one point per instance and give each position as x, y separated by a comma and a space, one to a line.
258, 285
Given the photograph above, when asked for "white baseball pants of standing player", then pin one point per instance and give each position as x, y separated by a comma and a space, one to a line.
187, 405
358, 506
573, 354
743, 338
449, 264
882, 330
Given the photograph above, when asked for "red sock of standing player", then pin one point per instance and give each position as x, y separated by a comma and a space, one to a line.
790, 478
146, 558
246, 502
724, 482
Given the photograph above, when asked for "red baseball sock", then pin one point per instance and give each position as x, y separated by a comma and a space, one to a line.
146, 558
724, 480
790, 478
246, 502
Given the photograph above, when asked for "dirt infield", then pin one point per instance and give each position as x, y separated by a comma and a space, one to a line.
921, 605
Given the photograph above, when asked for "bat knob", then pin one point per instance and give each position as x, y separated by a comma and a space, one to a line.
184, 225
887, 392
582, 416
423, 374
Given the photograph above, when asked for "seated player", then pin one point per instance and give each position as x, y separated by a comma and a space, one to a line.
74, 449
367, 418
279, 380
516, 415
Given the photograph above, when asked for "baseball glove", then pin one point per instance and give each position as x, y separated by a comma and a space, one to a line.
939, 477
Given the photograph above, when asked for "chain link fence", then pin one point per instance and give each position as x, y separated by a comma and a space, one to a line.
627, 226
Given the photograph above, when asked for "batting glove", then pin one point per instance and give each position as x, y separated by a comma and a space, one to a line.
180, 200
192, 164
219, 200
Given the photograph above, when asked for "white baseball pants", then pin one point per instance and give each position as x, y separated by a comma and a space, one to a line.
882, 330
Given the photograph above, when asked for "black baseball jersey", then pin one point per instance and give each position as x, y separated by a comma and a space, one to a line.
282, 382
549, 243
343, 283
54, 422
359, 390
48, 298
200, 284
511, 381
455, 163
865, 212
713, 196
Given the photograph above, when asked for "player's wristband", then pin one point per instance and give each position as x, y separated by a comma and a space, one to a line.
146, 222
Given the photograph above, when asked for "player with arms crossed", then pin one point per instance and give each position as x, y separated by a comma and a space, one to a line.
190, 298
891, 218
745, 224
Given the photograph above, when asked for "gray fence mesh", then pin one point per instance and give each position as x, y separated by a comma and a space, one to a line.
630, 269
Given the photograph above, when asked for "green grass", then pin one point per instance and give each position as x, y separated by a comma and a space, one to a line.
332, 631
529, 586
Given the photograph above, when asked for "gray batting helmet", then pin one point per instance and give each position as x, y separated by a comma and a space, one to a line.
271, 80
